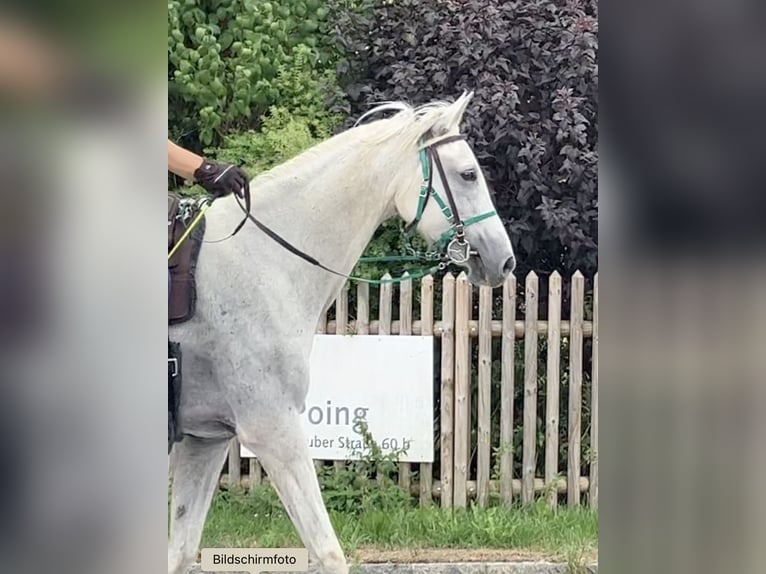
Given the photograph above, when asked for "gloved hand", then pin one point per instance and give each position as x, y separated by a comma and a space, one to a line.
222, 179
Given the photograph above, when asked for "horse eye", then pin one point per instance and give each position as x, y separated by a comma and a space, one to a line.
469, 175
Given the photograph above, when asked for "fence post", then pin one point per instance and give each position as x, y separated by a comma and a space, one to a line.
462, 389
507, 391
318, 464
484, 422
575, 388
552, 389
384, 316
341, 311
363, 309
384, 311
530, 391
341, 328
405, 329
447, 418
469, 392
235, 474
426, 330
593, 495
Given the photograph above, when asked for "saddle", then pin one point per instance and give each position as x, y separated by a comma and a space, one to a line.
183, 289
182, 297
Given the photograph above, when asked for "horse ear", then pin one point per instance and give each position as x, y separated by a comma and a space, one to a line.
451, 118
462, 104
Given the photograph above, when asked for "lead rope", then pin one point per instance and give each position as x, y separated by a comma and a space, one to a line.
189, 229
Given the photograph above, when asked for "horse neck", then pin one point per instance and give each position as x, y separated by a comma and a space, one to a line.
329, 210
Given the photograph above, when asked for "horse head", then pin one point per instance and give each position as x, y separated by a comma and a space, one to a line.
452, 207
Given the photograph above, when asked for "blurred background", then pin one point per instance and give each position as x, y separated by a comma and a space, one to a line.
82, 287
682, 197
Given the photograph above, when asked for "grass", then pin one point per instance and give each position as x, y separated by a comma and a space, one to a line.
375, 520
256, 519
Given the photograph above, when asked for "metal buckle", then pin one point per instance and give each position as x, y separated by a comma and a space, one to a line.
174, 362
459, 250
189, 208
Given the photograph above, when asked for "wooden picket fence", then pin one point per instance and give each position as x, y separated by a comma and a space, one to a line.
458, 330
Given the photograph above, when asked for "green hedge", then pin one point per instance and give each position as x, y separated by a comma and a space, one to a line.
230, 61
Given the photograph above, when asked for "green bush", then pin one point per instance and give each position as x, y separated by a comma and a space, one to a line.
282, 136
303, 89
364, 484
300, 121
229, 61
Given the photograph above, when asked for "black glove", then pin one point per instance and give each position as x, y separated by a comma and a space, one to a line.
222, 179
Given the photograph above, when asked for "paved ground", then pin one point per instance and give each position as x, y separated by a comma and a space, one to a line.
521, 567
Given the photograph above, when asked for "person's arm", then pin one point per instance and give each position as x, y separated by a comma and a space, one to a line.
183, 162
218, 179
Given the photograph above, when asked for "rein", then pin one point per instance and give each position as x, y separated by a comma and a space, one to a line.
451, 247
282, 242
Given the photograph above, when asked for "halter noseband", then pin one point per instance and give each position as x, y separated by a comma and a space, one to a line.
453, 241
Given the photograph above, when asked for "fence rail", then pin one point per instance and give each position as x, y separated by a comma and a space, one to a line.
509, 315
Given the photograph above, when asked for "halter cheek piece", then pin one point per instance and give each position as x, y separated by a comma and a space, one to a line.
453, 241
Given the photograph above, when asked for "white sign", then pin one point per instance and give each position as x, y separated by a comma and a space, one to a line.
385, 381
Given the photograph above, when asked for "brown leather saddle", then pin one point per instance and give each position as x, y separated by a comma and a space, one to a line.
183, 289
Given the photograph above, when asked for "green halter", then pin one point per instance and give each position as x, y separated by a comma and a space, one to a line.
452, 241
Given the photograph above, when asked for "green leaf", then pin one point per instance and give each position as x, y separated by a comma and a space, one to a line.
226, 40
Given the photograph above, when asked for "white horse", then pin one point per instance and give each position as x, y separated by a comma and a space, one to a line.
246, 352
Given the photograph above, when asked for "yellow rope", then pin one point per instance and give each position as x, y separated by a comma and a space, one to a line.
191, 227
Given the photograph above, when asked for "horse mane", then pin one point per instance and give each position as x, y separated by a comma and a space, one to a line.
410, 128
417, 127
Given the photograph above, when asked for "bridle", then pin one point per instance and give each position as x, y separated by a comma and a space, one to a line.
452, 242
451, 247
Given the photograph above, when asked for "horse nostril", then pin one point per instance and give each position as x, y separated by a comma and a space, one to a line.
510, 265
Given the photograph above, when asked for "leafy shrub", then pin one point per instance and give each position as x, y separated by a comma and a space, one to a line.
532, 123
364, 484
304, 90
225, 58
299, 122
282, 136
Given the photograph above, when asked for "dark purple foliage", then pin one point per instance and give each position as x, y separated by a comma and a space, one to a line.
533, 121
